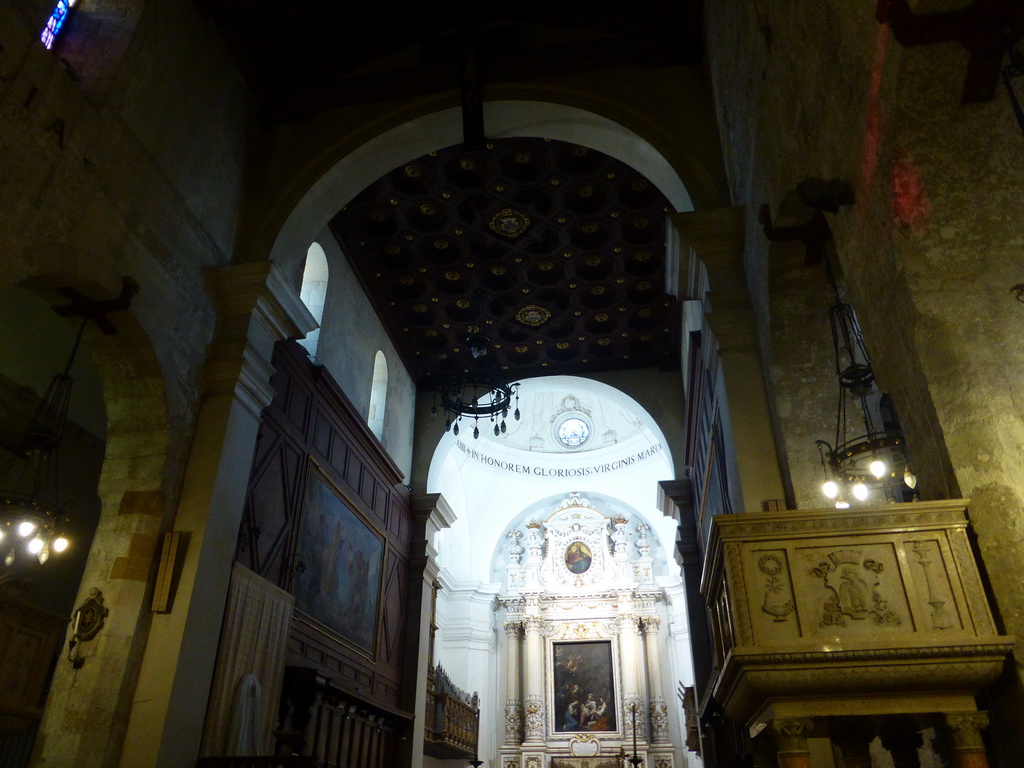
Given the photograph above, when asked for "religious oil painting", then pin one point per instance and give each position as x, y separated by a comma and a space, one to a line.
584, 688
338, 582
578, 557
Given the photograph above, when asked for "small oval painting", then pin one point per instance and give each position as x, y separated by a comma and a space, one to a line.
578, 557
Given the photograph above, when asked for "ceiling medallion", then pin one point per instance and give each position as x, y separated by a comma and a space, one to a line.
533, 315
509, 223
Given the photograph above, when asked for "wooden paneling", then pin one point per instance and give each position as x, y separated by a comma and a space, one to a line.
311, 421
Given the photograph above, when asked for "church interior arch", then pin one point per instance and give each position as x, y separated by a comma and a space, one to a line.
508, 493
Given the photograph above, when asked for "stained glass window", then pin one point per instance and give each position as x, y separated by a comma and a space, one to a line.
56, 21
573, 432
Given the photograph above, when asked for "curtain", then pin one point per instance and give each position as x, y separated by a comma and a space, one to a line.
250, 667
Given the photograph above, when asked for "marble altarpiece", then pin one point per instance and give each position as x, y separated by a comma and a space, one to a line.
583, 615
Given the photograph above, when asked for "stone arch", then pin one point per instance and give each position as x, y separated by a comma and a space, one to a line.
90, 703
426, 129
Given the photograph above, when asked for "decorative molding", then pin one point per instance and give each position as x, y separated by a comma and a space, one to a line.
977, 601
659, 719
535, 715
734, 567
585, 745
514, 721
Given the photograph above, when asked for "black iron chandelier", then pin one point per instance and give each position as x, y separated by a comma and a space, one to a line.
859, 465
481, 394
31, 514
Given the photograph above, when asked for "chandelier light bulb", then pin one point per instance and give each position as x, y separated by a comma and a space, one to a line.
35, 546
878, 468
860, 491
910, 479
60, 544
9, 560
25, 528
830, 488
44, 555
842, 503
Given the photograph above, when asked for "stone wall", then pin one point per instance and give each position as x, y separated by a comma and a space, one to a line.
929, 250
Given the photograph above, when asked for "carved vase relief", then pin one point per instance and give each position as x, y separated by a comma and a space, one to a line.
933, 584
778, 597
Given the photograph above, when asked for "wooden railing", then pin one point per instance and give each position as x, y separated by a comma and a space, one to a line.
451, 727
321, 726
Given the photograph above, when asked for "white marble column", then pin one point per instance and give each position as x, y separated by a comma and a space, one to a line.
533, 678
513, 694
628, 631
658, 709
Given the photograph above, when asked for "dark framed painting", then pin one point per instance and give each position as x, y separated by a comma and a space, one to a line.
583, 699
337, 588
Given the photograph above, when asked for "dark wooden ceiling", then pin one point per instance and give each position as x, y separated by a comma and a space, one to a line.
301, 57
593, 253
581, 289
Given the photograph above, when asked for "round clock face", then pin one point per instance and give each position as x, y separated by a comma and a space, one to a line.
573, 432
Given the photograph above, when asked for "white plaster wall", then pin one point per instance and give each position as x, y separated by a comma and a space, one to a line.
350, 335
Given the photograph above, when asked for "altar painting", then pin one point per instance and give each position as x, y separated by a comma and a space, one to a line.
584, 688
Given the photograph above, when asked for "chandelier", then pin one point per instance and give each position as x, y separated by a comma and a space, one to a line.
33, 518
480, 394
31, 515
859, 465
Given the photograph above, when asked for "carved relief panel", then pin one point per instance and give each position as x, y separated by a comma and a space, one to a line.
796, 580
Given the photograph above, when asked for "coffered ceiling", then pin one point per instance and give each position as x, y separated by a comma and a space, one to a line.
553, 251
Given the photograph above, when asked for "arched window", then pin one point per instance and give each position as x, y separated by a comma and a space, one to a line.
378, 395
314, 293
56, 21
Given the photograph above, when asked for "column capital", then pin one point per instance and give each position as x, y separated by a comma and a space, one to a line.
651, 625
965, 729
534, 625
627, 622
257, 308
791, 733
514, 629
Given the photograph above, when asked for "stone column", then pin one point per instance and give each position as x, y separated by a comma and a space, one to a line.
257, 308
533, 666
430, 514
791, 741
658, 709
513, 693
628, 633
964, 730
